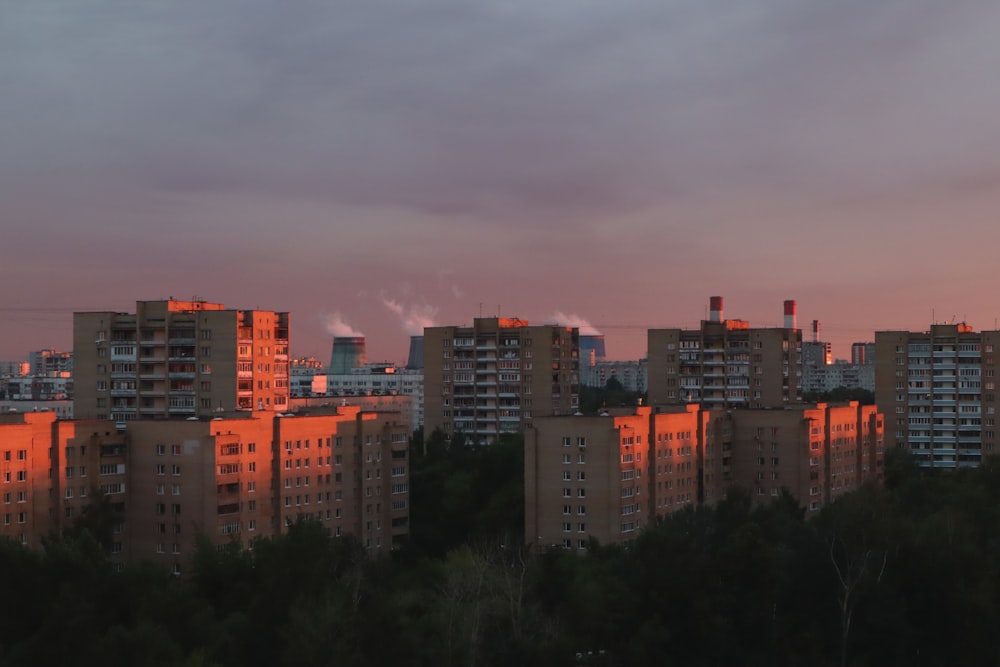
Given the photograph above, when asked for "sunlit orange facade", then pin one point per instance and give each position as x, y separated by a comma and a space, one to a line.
607, 476
175, 358
233, 478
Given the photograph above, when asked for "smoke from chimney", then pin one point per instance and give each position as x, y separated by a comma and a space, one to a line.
414, 318
573, 320
337, 327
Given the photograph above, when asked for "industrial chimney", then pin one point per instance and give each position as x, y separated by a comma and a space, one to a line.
815, 331
715, 309
348, 353
415, 360
790, 322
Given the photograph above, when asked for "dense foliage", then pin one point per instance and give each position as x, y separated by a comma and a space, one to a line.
611, 395
908, 574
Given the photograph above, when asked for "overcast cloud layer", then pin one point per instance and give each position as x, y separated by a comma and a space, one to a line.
622, 161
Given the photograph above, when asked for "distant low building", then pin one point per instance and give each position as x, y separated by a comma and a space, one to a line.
632, 375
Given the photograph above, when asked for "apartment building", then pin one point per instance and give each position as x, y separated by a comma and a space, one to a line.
937, 389
607, 476
44, 362
497, 376
354, 479
726, 363
179, 359
817, 452
25, 483
232, 478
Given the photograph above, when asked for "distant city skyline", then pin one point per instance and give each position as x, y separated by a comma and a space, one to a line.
402, 164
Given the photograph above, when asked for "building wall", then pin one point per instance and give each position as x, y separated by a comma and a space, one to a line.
631, 374
234, 478
24, 476
937, 390
725, 364
497, 376
374, 383
179, 358
607, 476
43, 362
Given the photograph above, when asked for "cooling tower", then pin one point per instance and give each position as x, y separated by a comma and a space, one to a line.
415, 361
347, 354
592, 348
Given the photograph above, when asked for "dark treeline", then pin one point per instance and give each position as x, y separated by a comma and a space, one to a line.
901, 575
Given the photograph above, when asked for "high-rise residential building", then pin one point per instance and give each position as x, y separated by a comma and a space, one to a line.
817, 452
496, 376
26, 476
179, 359
863, 354
607, 476
937, 390
727, 363
239, 477
50, 361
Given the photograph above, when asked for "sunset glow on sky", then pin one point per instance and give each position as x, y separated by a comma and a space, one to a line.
384, 165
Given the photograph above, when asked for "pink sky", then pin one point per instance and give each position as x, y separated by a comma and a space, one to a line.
399, 164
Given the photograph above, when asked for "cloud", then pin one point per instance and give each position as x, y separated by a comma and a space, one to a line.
508, 113
336, 326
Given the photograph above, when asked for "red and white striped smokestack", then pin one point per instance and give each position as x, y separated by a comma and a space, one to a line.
790, 315
715, 309
815, 331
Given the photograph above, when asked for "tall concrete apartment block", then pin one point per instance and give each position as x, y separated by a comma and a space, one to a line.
497, 376
818, 452
937, 389
607, 476
179, 359
236, 478
727, 363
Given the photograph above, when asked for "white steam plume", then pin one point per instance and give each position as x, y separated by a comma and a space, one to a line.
413, 317
338, 328
573, 320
